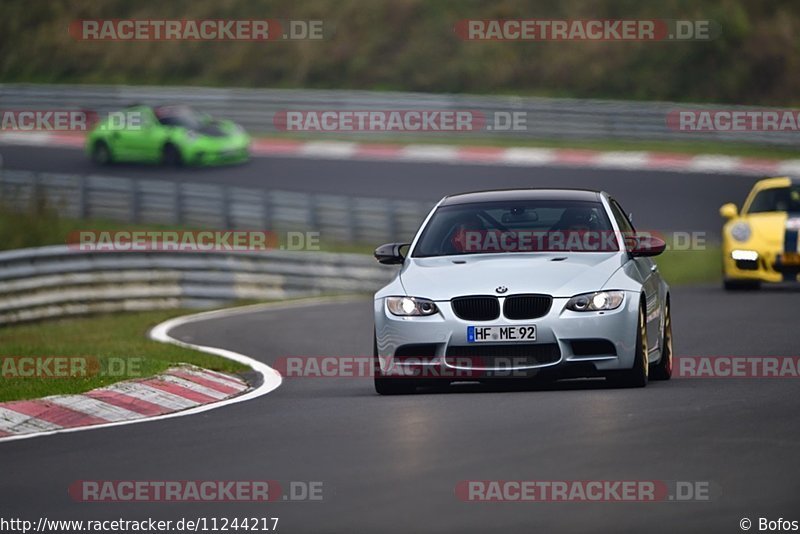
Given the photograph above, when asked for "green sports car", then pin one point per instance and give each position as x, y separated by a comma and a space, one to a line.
170, 135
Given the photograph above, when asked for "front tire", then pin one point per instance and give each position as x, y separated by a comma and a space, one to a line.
637, 376
663, 369
101, 153
171, 156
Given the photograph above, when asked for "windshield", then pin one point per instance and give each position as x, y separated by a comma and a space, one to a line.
517, 226
183, 116
776, 199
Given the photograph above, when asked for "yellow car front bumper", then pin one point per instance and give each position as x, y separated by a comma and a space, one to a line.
767, 265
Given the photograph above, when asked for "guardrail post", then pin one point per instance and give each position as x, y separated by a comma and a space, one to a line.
394, 223
227, 210
135, 211
83, 207
266, 209
313, 213
36, 189
178, 202
352, 220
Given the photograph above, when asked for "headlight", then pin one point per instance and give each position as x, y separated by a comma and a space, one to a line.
740, 231
191, 135
601, 300
405, 306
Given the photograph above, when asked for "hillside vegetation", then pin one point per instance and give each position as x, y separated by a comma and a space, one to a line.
410, 45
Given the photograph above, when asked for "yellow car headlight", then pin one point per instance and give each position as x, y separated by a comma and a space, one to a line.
741, 231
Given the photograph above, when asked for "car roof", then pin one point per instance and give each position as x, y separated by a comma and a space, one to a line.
501, 195
780, 181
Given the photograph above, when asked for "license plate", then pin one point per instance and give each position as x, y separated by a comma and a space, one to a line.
791, 258
493, 334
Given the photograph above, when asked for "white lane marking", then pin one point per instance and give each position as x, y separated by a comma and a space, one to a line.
713, 164
790, 166
430, 153
153, 395
271, 377
19, 423
528, 156
94, 407
622, 160
328, 149
194, 386
26, 138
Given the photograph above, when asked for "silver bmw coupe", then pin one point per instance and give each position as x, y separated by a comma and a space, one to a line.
523, 283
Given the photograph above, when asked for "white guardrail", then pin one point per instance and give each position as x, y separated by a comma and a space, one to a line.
255, 109
57, 281
337, 218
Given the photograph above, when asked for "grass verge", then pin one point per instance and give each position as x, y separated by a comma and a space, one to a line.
687, 267
118, 343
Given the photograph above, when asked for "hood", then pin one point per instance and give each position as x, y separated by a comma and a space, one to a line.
213, 129
769, 227
556, 274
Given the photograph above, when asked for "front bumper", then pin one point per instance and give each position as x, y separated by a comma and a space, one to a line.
436, 346
217, 153
768, 267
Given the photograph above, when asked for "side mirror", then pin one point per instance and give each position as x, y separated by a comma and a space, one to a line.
390, 254
648, 245
729, 210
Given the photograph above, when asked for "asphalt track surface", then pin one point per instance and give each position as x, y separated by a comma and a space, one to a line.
658, 200
391, 464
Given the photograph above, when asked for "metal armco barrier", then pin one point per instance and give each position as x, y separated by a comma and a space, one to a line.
337, 218
56, 281
255, 109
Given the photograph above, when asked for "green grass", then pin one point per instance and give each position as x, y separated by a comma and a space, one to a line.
111, 339
40, 224
686, 267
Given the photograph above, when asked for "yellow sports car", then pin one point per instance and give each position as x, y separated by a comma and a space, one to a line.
760, 243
